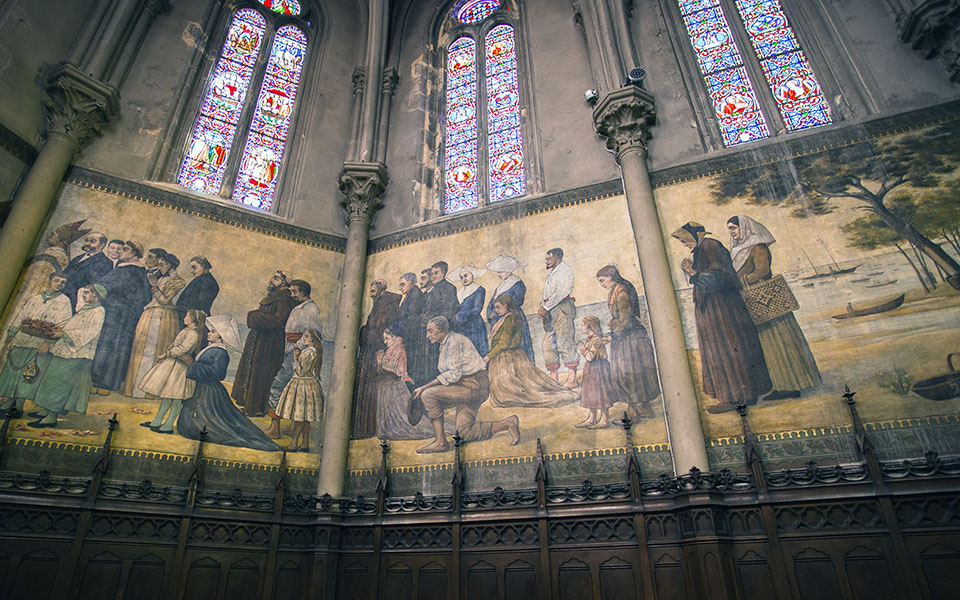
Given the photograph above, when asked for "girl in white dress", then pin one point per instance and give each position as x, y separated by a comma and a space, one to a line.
302, 399
167, 378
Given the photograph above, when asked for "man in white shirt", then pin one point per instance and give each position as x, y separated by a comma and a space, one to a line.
558, 311
304, 316
462, 384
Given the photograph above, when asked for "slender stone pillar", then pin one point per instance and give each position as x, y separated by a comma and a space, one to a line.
624, 117
362, 185
78, 108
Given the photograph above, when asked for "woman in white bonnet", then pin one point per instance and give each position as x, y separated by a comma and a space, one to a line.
505, 266
789, 361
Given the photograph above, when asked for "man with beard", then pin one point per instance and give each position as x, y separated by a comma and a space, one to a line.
128, 293
425, 283
439, 301
411, 307
382, 314
263, 350
202, 289
558, 311
88, 267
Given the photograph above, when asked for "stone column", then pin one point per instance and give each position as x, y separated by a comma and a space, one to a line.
79, 106
362, 185
624, 117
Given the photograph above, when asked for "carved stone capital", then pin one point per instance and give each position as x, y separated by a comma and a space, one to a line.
358, 80
390, 80
624, 117
933, 29
79, 105
362, 184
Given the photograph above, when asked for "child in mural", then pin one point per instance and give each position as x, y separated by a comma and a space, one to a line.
167, 379
302, 399
597, 393
210, 408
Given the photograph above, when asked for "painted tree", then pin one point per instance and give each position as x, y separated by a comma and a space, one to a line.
864, 174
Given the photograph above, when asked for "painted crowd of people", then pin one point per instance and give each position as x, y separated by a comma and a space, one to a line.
434, 347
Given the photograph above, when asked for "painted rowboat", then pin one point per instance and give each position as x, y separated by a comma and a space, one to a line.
871, 310
942, 387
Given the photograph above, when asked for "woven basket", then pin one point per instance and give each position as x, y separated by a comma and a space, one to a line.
769, 299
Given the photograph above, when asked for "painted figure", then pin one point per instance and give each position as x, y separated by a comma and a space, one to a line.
461, 384
48, 307
159, 323
440, 300
633, 368
167, 379
210, 407
558, 311
202, 289
263, 349
471, 296
301, 400
414, 339
789, 361
732, 364
113, 251
304, 317
128, 293
383, 312
65, 383
54, 258
514, 380
510, 283
597, 392
86, 268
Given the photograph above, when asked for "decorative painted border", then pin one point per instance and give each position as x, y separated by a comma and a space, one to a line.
214, 211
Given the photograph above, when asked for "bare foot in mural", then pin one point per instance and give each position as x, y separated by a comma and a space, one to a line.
511, 424
435, 446
586, 423
571, 381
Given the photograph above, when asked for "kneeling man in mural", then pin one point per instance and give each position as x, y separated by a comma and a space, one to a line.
462, 383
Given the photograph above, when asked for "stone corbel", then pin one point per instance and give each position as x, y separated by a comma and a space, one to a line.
624, 117
933, 28
362, 184
79, 105
390, 80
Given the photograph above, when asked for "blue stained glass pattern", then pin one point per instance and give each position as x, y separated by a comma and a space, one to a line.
461, 166
734, 100
263, 152
794, 86
474, 11
284, 7
204, 162
504, 139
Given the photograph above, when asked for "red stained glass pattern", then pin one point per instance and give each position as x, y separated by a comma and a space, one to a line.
284, 7
204, 163
263, 152
794, 86
474, 11
461, 183
504, 138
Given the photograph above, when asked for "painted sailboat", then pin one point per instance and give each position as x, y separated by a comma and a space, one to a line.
832, 270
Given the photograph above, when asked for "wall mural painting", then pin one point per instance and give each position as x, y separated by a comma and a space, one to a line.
169, 331
506, 334
838, 268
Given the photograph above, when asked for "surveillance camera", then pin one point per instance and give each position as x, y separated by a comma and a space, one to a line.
591, 96
635, 77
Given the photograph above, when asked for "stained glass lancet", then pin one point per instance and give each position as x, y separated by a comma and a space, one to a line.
203, 166
462, 189
263, 152
284, 7
794, 86
504, 138
734, 100
474, 11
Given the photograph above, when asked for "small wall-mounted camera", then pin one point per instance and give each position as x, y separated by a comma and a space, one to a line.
635, 77
591, 96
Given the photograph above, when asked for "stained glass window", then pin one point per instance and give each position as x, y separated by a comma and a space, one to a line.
731, 93
794, 86
284, 7
474, 11
462, 187
205, 161
504, 139
263, 153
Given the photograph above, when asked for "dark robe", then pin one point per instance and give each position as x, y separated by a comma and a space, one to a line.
732, 362
262, 351
440, 301
211, 408
633, 367
128, 292
199, 294
383, 314
80, 273
518, 292
414, 340
469, 322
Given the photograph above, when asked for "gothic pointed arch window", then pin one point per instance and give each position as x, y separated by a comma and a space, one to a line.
798, 101
238, 144
483, 148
